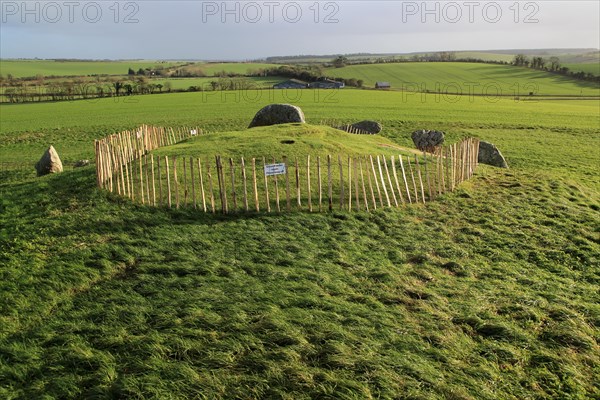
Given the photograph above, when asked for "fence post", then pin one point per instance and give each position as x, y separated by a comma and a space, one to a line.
319, 183
298, 190
341, 182
266, 185
210, 187
418, 167
287, 185
232, 172
389, 178
376, 181
404, 178
255, 185
362, 181
169, 200
276, 190
245, 185
202, 185
329, 183
193, 180
308, 183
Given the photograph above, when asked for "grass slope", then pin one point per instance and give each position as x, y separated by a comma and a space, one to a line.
291, 140
486, 293
467, 78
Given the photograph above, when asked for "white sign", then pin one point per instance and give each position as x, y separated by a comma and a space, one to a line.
274, 169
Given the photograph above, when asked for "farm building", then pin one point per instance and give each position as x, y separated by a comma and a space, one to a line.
327, 84
382, 85
291, 84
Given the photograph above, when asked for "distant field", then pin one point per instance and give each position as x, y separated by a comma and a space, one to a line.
237, 68
593, 68
185, 83
20, 68
29, 68
467, 78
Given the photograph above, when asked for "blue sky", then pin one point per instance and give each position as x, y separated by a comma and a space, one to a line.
253, 29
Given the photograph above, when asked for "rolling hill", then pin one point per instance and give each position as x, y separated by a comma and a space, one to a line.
456, 77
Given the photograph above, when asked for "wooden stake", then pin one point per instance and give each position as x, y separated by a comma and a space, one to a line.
160, 194
329, 183
185, 187
266, 186
168, 182
420, 178
287, 185
298, 185
255, 185
370, 185
387, 172
153, 180
396, 181
413, 179
319, 183
193, 180
404, 178
222, 187
376, 181
308, 183
176, 180
341, 182
141, 180
202, 185
245, 185
387, 197
276, 190
349, 184
232, 172
356, 184
210, 188
362, 181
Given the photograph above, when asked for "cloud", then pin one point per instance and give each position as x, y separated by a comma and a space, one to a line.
253, 29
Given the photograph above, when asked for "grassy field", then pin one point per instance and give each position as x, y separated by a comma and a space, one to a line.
28, 68
593, 68
467, 78
489, 292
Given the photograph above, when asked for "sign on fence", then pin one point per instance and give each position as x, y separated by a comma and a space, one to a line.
274, 169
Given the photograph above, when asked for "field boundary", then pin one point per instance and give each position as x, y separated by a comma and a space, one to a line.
125, 166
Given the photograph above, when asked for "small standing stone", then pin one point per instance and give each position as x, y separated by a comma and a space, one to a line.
49, 163
490, 155
372, 127
427, 140
274, 114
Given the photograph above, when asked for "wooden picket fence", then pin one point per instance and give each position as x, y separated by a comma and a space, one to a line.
228, 185
346, 127
116, 153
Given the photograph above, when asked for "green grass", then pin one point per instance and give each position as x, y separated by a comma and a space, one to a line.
489, 292
467, 78
211, 69
32, 68
185, 83
303, 139
29, 68
593, 68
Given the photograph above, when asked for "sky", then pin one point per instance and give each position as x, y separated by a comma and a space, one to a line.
247, 30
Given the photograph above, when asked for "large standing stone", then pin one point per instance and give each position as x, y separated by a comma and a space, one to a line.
427, 140
371, 127
274, 114
490, 155
49, 163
